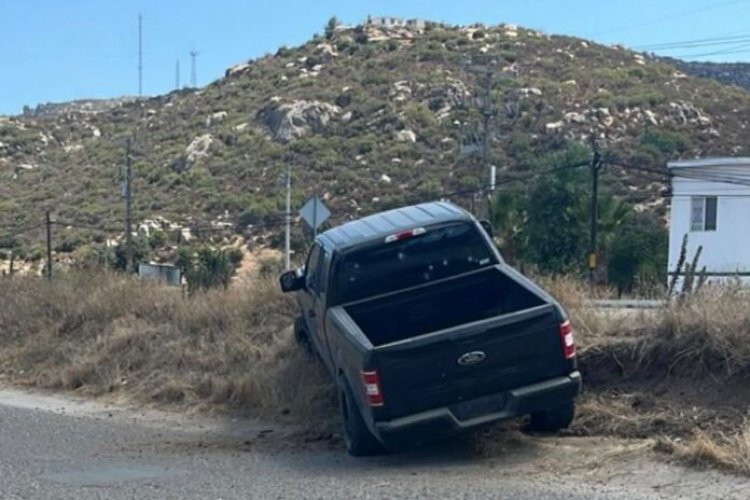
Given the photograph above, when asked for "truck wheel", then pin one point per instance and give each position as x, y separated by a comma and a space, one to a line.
554, 419
300, 334
358, 439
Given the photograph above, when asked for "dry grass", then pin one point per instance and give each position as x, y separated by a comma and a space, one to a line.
731, 453
678, 374
102, 334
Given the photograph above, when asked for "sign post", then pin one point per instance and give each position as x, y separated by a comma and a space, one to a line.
314, 213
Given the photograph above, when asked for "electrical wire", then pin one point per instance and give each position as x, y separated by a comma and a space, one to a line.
13, 232
699, 42
671, 17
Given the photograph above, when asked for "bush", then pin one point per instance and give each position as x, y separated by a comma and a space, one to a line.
270, 267
666, 142
157, 239
638, 255
207, 268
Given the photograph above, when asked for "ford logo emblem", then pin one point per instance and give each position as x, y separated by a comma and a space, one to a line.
471, 358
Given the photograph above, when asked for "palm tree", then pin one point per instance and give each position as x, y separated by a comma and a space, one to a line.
506, 215
611, 213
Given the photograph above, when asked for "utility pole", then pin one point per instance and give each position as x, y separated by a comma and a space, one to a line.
128, 192
140, 55
193, 70
596, 164
488, 110
49, 245
177, 75
288, 234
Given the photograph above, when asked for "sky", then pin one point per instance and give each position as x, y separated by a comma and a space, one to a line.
60, 50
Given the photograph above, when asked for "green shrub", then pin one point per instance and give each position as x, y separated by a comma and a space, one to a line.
207, 268
638, 254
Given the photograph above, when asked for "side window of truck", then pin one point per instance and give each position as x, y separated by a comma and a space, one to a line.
312, 269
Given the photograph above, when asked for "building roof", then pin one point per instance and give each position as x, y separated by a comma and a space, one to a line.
710, 162
380, 225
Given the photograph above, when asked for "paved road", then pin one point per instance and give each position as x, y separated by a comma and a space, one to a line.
52, 448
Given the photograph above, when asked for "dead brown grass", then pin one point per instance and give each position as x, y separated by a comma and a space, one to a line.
107, 334
731, 453
677, 374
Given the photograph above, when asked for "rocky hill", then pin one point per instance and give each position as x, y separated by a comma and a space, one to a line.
367, 117
727, 73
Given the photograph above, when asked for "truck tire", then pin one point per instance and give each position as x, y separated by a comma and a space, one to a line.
358, 439
554, 419
300, 334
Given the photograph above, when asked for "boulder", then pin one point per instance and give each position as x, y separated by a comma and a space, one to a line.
651, 117
296, 119
574, 117
237, 69
326, 51
406, 136
197, 149
554, 127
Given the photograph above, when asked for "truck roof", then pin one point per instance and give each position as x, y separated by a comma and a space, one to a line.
382, 224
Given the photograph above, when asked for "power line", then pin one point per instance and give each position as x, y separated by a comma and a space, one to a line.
671, 17
13, 232
738, 49
699, 42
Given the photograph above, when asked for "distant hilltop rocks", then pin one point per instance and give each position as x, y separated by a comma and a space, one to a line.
85, 106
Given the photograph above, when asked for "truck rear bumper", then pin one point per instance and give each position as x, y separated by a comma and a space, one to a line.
479, 412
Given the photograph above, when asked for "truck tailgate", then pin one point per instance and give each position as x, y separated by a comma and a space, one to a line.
497, 354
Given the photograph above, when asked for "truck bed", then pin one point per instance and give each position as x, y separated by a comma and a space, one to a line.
465, 299
419, 336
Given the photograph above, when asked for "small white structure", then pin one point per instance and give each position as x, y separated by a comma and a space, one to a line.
711, 205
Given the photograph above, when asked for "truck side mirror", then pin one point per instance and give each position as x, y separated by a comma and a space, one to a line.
291, 281
487, 227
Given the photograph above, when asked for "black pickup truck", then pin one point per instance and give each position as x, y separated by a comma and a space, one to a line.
428, 332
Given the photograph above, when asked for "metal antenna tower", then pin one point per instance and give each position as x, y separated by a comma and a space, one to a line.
177, 75
140, 55
193, 71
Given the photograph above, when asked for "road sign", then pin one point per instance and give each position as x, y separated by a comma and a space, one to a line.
314, 213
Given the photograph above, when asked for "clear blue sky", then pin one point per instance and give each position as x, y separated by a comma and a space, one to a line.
57, 50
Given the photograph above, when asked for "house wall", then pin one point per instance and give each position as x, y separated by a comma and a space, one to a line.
725, 250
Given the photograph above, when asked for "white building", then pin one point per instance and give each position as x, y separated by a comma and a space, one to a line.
711, 205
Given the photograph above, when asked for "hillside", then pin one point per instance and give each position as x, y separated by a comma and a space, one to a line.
367, 117
728, 73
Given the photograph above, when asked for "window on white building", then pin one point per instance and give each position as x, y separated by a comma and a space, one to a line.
703, 213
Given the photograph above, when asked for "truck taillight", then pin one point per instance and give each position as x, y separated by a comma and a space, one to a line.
372, 388
405, 234
568, 341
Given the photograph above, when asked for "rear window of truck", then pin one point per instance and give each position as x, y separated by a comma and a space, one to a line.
440, 252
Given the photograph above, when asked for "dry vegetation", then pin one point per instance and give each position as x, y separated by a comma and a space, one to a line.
677, 375
104, 334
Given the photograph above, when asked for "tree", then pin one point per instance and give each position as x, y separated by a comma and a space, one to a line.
611, 214
507, 216
331, 27
555, 237
638, 253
